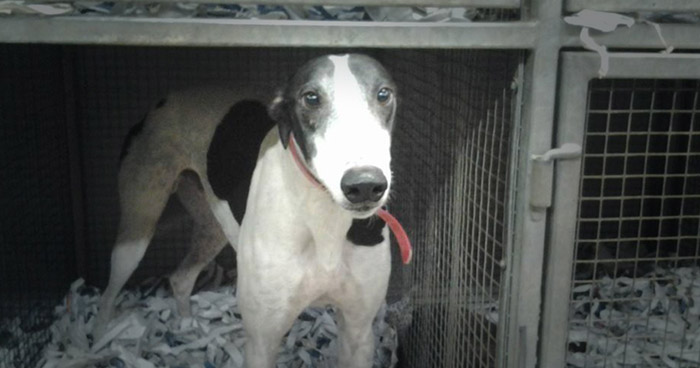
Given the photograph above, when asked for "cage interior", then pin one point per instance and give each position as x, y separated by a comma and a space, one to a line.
635, 295
65, 111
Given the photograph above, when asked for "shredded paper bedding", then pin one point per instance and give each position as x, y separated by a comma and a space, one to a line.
650, 321
147, 333
171, 9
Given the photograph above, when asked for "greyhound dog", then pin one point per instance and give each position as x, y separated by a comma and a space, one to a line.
301, 212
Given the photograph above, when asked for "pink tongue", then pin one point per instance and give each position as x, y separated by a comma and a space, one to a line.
399, 233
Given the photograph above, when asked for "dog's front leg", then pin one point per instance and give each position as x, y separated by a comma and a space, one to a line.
268, 309
356, 338
263, 343
363, 294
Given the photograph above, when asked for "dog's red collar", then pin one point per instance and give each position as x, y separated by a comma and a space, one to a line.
394, 225
399, 233
300, 163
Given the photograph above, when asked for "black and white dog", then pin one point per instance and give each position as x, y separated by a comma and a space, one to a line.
308, 235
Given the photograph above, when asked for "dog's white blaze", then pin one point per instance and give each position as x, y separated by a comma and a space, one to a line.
354, 135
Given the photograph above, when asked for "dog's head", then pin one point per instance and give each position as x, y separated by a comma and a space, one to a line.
341, 111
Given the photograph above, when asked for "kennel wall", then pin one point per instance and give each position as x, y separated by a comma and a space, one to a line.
454, 147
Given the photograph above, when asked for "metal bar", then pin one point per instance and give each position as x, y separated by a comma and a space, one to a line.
640, 36
637, 5
572, 113
507, 351
230, 32
646, 65
646, 196
636, 259
538, 125
445, 3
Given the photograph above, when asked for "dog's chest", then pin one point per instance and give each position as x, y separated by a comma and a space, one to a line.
295, 239
326, 286
331, 276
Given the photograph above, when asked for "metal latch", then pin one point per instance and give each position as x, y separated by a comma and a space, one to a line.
542, 176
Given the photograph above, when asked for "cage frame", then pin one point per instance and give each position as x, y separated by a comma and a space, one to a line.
640, 5
538, 17
540, 31
577, 70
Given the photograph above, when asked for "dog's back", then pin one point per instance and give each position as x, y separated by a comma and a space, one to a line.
184, 124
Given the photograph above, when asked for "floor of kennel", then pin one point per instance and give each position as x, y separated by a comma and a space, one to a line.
511, 268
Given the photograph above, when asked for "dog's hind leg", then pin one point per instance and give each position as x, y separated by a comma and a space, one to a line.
207, 240
223, 215
143, 194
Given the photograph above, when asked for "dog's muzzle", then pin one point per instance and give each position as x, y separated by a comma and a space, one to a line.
364, 185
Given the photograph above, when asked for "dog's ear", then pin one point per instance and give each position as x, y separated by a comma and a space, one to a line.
279, 111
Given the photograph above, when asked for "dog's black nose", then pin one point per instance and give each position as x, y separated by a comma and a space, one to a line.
363, 184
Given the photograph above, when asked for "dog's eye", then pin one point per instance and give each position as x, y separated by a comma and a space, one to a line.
311, 99
384, 95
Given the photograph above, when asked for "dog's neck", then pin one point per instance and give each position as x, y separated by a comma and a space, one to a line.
301, 164
327, 233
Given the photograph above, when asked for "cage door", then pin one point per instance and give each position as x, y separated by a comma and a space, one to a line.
623, 249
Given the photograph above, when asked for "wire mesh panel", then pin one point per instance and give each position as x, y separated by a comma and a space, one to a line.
37, 243
456, 145
635, 297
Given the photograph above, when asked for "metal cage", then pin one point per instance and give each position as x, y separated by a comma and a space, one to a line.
627, 219
518, 242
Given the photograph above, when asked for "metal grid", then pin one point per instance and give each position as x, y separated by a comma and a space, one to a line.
24, 326
457, 149
35, 196
37, 241
638, 219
